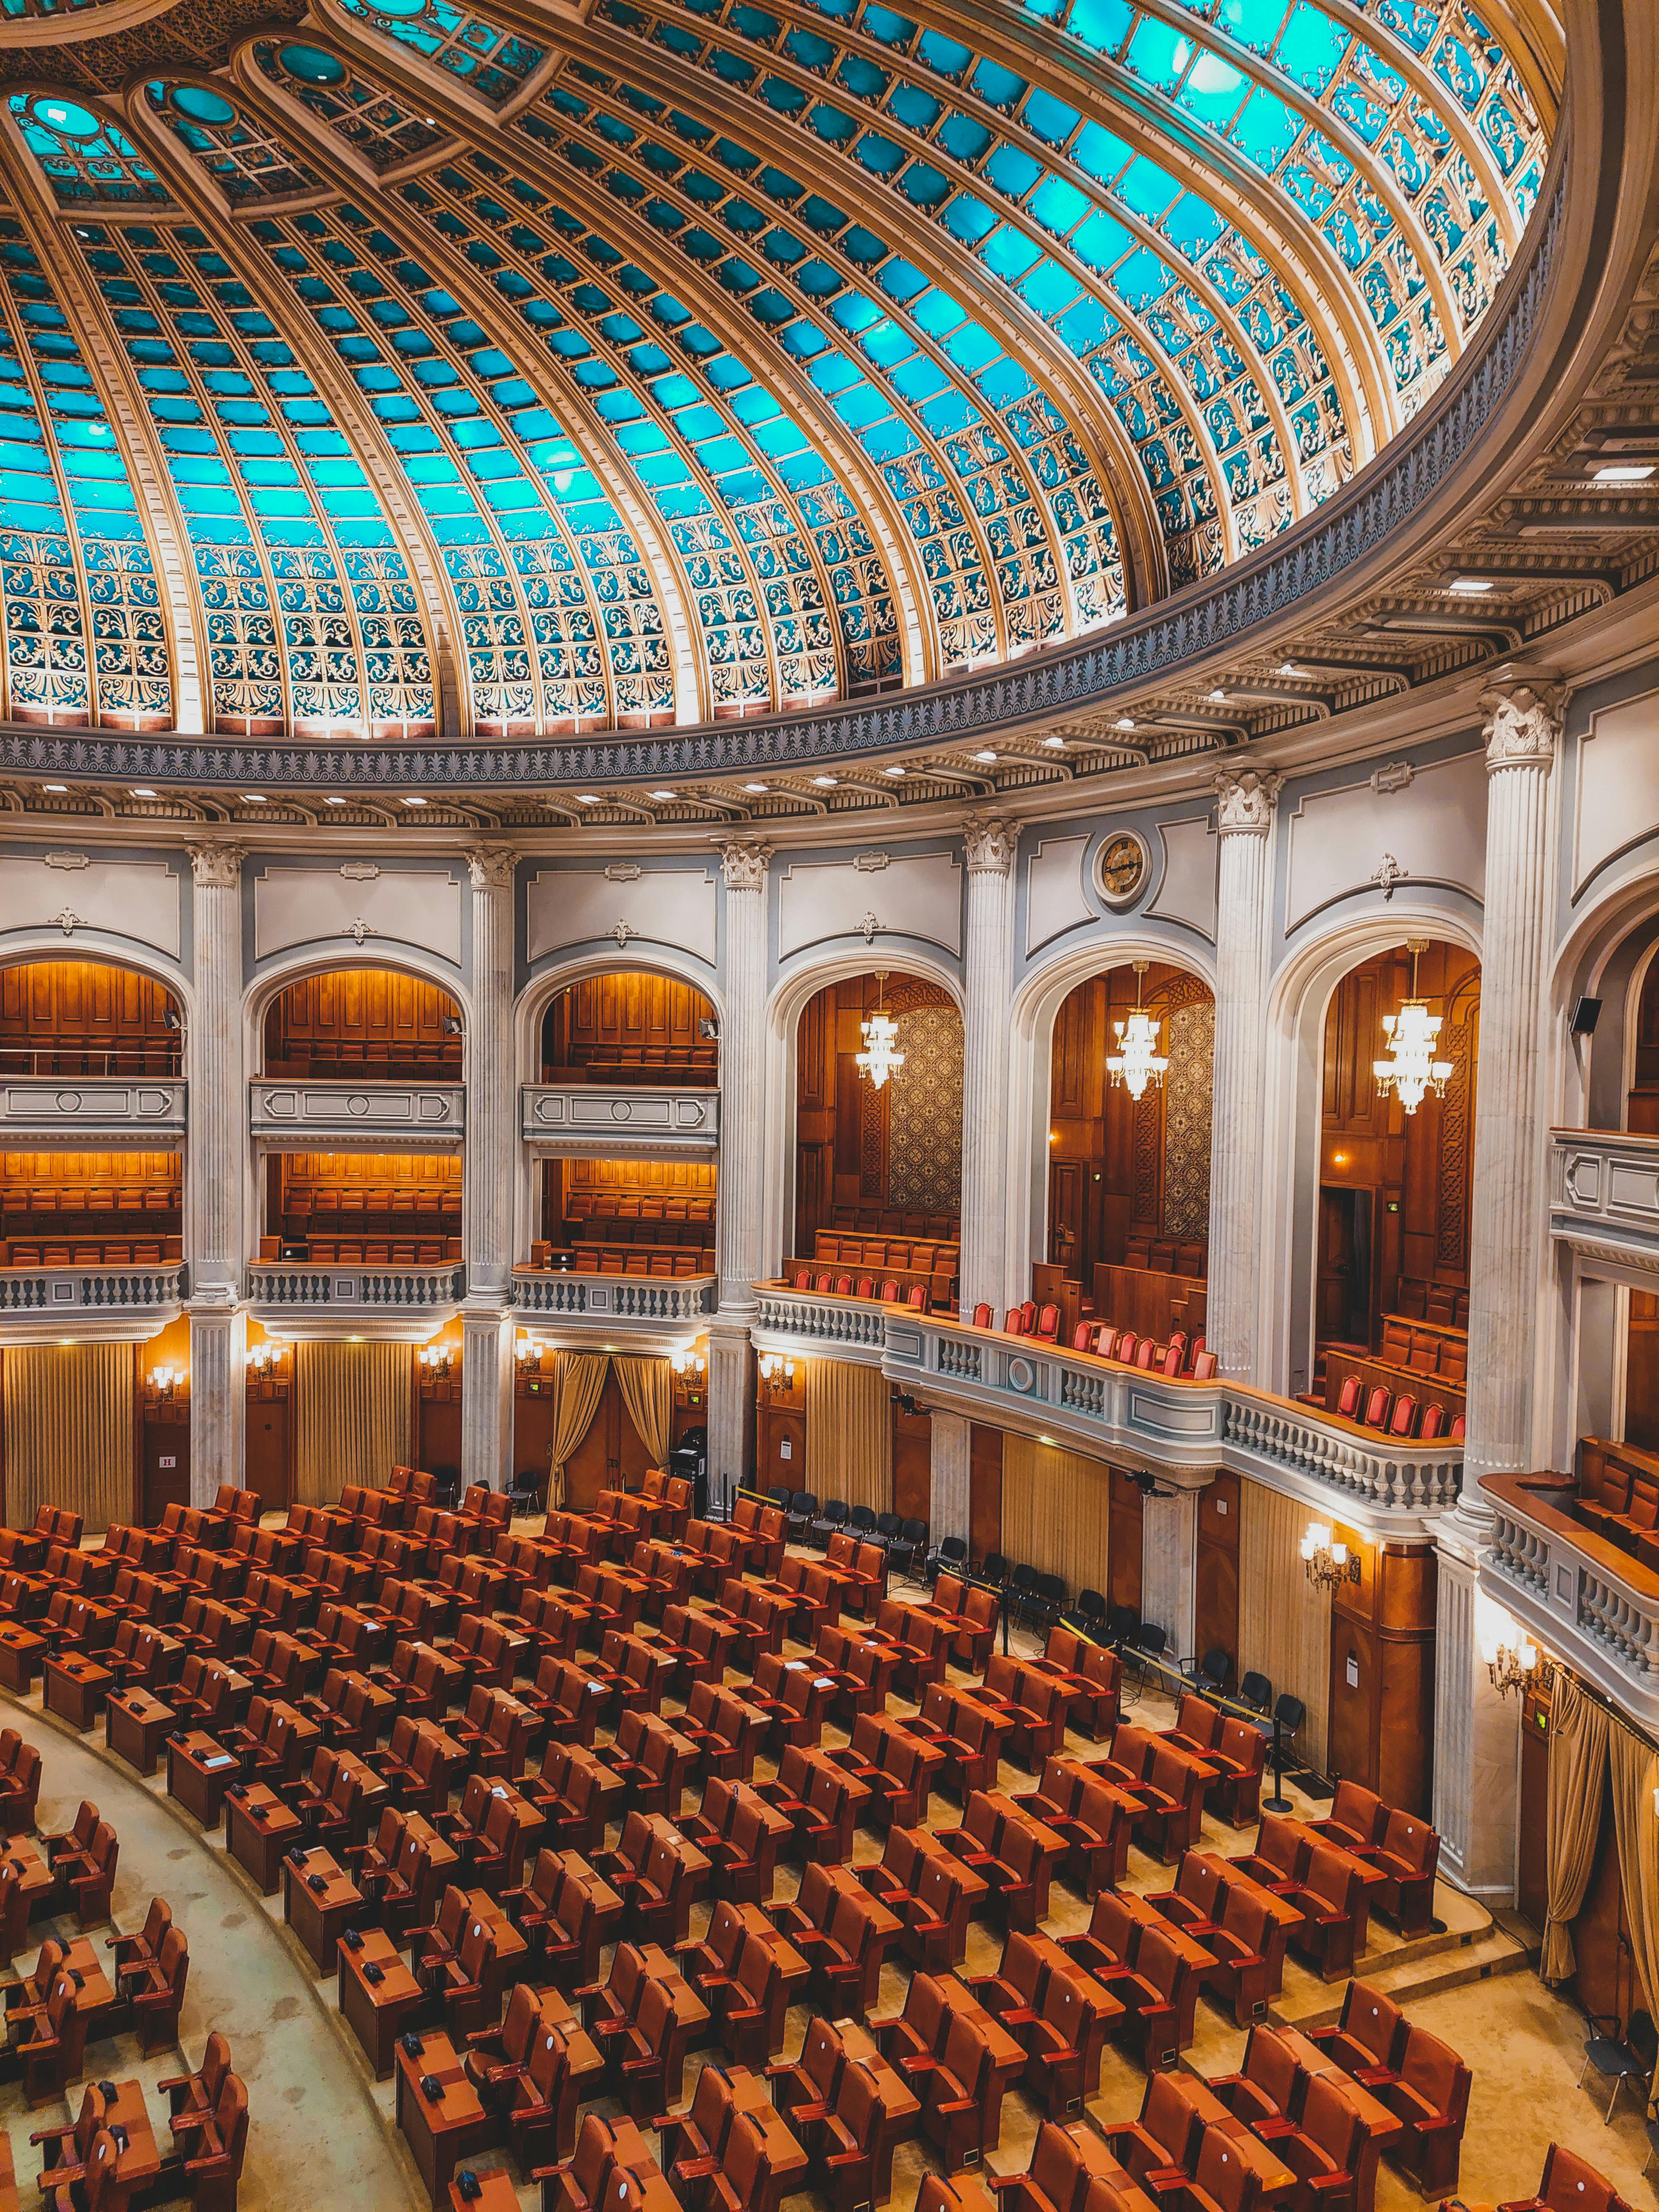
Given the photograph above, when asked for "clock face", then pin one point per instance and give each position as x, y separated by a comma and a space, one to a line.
1122, 868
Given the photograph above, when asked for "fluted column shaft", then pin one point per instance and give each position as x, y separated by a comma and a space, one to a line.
738, 1223
950, 1471
487, 1319
988, 1270
215, 1176
1245, 804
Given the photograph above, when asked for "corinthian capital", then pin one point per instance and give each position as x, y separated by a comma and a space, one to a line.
990, 840
217, 867
744, 865
490, 868
1525, 715
1245, 799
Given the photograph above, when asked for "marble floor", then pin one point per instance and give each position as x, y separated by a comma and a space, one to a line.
323, 2134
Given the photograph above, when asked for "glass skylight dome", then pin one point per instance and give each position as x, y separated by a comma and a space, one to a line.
425, 372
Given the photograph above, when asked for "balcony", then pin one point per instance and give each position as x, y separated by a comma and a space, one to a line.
94, 1304
389, 1304
1577, 1593
1604, 1197
645, 1308
1124, 1413
92, 1112
345, 1116
621, 1118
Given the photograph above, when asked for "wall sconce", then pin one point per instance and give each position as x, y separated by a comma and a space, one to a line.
1513, 1660
1326, 1562
262, 1358
690, 1361
527, 1349
774, 1364
434, 1358
165, 1380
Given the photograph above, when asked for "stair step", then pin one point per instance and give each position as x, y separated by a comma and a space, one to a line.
1319, 2004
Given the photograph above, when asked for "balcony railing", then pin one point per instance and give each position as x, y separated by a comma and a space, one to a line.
621, 1297
375, 1114
637, 1117
97, 1301
1604, 1194
333, 1289
1125, 1413
99, 1110
1573, 1590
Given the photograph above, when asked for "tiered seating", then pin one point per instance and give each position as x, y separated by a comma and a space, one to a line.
1618, 1497
1403, 1849
1421, 2080
1414, 1384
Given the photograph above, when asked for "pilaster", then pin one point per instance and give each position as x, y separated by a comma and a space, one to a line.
1169, 1565
988, 1269
1476, 1735
1246, 801
215, 1172
949, 1464
738, 1209
487, 1316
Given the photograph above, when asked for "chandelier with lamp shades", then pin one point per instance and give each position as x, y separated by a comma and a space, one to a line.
1411, 1068
879, 1058
1137, 1061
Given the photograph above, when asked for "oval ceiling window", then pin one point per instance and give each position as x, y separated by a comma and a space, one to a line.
312, 65
202, 106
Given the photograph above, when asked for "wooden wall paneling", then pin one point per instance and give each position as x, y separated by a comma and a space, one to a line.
781, 1430
93, 1195
90, 1006
1532, 1889
269, 1466
611, 1457
1217, 1570
623, 1012
1381, 1728
1123, 1540
1605, 1982
672, 1178
984, 1491
1642, 1370
381, 1020
346, 1193
913, 1464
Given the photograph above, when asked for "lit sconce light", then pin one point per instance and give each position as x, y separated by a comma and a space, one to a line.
688, 1360
773, 1366
1325, 1562
165, 1380
434, 1358
261, 1358
1513, 1660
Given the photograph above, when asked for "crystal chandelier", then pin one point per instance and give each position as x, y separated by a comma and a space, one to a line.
1412, 1068
878, 1059
1136, 1062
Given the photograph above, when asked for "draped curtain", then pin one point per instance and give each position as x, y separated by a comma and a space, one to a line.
647, 1395
577, 1386
849, 1433
354, 1416
1284, 1622
71, 1415
1635, 1776
1053, 1512
1578, 1755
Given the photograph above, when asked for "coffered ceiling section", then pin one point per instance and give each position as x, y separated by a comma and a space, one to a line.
390, 370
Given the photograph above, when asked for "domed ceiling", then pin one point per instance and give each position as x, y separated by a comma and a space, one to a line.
376, 369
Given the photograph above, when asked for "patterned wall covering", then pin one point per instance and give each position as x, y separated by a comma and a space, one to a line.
924, 1155
1187, 1104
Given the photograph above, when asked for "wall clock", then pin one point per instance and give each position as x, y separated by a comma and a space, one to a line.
1121, 869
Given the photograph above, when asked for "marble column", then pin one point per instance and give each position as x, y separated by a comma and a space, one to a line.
990, 1271
949, 1463
487, 1313
1168, 1564
1476, 1731
1245, 803
215, 1173
737, 1226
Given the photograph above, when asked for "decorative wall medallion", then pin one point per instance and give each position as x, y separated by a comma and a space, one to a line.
1022, 1375
66, 918
624, 872
360, 871
1388, 875
360, 929
1121, 869
622, 932
870, 926
1395, 776
869, 864
68, 860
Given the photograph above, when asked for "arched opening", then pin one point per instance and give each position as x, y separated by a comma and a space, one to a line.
1128, 1214
352, 1024
879, 1165
114, 1204
1391, 1284
643, 1205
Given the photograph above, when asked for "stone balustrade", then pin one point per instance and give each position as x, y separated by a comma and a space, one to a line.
633, 1298
96, 1111
1604, 1196
103, 1304
317, 1301
1577, 1593
375, 1116
625, 1117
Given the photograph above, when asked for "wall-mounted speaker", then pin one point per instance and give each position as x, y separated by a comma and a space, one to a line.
1585, 1015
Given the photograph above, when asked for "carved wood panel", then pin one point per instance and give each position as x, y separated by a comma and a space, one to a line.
355, 1020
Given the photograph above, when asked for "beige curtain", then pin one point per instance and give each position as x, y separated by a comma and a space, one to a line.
1578, 1752
1053, 1512
70, 1432
647, 1395
1635, 1777
578, 1385
1284, 1622
849, 1433
354, 1416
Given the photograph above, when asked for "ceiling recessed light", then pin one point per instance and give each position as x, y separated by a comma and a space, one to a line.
892, 771
142, 791
589, 798
410, 800
332, 799
54, 787
1056, 743
1126, 722
986, 756
756, 787
1624, 473
665, 794
1470, 587
1289, 668
254, 799
1218, 696
825, 783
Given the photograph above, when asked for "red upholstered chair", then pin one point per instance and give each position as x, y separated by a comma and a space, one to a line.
821, 1282
889, 1292
1048, 1322
1404, 1413
984, 1316
1348, 1404
1408, 1855
917, 1297
1570, 2184
1376, 1407
1083, 1336
1459, 1428
843, 1287
1013, 1322
1204, 1367
1434, 1422
867, 1286
1145, 1353
1172, 1358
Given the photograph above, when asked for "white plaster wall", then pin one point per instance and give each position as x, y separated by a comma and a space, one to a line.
1433, 826
1186, 888
659, 906
1617, 800
916, 895
140, 899
1055, 900
301, 906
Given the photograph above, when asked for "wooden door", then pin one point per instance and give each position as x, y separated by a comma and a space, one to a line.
984, 1491
166, 1476
1123, 1538
611, 1457
268, 1443
912, 1465
1217, 1591
1067, 1185
1336, 1258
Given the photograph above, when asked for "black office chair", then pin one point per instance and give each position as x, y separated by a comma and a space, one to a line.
830, 1523
1022, 1592
803, 1510
993, 1568
888, 1530
861, 1520
1088, 1615
780, 1499
1616, 2061
527, 1492
908, 1546
1149, 1643
1256, 1692
949, 1558
1122, 1626
1215, 1670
